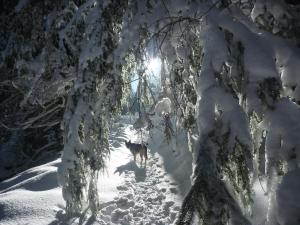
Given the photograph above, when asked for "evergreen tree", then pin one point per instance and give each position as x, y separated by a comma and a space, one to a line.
96, 93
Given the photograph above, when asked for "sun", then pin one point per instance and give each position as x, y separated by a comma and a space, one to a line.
154, 66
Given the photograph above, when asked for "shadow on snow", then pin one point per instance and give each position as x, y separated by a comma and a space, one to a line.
139, 172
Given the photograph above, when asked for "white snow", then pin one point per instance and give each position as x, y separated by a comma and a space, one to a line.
288, 199
163, 107
260, 202
31, 197
130, 193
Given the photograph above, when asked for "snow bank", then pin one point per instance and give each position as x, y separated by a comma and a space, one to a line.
288, 199
31, 197
177, 159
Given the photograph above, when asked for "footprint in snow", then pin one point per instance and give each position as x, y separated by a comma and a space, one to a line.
143, 201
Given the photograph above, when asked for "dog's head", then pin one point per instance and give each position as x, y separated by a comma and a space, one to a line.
127, 143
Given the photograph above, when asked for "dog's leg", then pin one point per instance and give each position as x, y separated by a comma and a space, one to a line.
134, 157
145, 156
146, 153
141, 156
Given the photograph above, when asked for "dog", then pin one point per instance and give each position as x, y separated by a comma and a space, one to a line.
137, 149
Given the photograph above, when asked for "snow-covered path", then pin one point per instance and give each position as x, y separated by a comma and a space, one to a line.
143, 198
130, 193
147, 194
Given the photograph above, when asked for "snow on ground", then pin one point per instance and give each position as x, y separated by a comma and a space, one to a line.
147, 193
288, 199
31, 197
260, 203
130, 193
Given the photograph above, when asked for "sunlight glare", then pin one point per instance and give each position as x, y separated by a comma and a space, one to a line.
154, 66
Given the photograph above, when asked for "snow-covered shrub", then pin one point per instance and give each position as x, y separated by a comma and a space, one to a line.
94, 97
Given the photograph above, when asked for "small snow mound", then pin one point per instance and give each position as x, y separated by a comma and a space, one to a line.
118, 214
31, 197
163, 107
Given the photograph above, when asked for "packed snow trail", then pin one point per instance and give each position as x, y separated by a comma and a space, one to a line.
130, 193
148, 195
